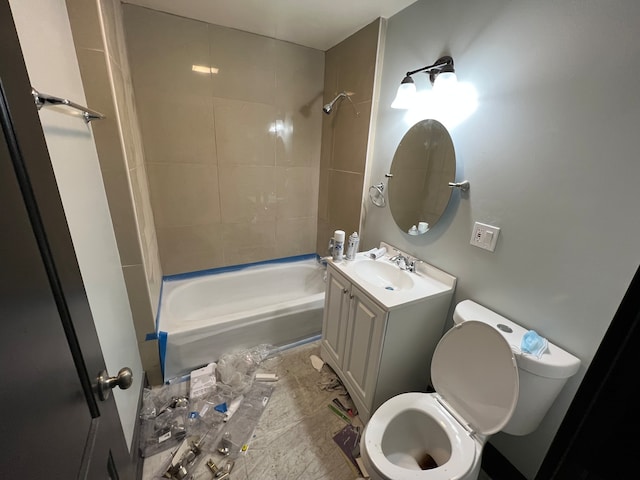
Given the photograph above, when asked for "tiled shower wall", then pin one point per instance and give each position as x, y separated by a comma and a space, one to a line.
349, 66
233, 150
98, 35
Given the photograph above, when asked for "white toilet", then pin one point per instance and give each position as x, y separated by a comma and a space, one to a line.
483, 384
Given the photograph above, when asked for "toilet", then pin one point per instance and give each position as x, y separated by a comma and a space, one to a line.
483, 384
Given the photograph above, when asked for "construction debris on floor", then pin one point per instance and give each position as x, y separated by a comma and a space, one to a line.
287, 417
209, 416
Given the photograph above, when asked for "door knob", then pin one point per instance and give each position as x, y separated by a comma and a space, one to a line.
124, 379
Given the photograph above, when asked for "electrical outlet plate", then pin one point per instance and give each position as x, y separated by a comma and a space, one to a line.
484, 236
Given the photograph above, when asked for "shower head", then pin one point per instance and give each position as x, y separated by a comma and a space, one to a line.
328, 108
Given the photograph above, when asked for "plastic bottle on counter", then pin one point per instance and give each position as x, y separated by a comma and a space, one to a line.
338, 245
352, 246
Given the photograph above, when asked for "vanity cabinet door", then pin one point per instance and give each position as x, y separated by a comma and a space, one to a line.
336, 312
363, 345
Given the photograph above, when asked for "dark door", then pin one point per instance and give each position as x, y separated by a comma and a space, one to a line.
53, 424
597, 438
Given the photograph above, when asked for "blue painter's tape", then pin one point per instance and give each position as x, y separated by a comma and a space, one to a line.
151, 336
162, 346
233, 268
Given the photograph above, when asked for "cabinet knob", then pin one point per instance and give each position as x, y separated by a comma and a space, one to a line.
345, 291
351, 296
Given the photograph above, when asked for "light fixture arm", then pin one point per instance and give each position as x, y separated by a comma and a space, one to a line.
441, 69
443, 64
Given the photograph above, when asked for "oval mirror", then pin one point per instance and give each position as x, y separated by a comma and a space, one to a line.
422, 167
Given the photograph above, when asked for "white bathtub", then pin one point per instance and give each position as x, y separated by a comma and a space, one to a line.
202, 317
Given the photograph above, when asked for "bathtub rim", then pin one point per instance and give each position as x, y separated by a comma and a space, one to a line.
216, 271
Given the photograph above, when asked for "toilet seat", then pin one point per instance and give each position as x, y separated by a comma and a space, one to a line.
475, 375
474, 370
463, 447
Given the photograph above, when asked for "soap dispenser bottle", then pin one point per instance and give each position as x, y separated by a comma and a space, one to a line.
352, 246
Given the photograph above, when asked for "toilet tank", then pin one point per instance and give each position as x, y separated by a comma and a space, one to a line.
541, 379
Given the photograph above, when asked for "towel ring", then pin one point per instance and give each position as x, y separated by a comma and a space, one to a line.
376, 194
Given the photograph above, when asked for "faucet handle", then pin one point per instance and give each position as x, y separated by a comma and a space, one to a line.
413, 264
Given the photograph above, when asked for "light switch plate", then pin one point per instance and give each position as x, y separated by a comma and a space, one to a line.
484, 236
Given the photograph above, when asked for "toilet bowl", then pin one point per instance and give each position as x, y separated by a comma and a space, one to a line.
475, 374
420, 432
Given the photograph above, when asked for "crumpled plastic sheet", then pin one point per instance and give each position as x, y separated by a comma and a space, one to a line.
168, 415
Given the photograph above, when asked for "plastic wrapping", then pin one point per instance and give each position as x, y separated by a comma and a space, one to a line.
237, 370
168, 416
163, 416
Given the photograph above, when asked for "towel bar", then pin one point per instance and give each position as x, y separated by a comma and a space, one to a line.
43, 99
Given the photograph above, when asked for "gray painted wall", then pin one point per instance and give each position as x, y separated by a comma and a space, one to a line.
552, 157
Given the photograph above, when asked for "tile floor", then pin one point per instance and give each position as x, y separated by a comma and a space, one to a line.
293, 439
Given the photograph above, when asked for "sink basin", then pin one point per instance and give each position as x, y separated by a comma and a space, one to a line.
383, 275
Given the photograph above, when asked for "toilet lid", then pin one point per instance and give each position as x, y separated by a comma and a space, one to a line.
475, 371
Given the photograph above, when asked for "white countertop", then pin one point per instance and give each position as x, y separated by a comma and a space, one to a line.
426, 281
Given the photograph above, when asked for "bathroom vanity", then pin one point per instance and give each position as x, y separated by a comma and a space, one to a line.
381, 325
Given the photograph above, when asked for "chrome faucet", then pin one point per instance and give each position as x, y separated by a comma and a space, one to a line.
401, 261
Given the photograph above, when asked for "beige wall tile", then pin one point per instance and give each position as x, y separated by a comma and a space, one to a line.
162, 51
153, 272
177, 128
325, 163
350, 136
345, 201
136, 283
265, 106
249, 242
85, 24
298, 138
349, 66
330, 74
248, 234
245, 63
323, 236
245, 132
184, 194
125, 120
299, 79
150, 356
190, 248
247, 194
174, 103
114, 32
142, 203
95, 75
356, 61
295, 236
116, 185
297, 192
323, 194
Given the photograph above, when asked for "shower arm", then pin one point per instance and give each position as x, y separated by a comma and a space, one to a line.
328, 108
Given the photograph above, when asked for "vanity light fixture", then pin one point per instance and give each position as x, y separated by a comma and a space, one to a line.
441, 73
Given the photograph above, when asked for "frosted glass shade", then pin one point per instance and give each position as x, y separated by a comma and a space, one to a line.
444, 81
405, 96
